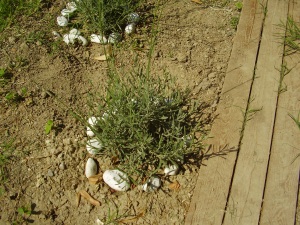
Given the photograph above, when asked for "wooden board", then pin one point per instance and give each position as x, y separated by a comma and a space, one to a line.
280, 198
245, 199
211, 191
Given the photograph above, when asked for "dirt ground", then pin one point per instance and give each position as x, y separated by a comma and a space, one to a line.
193, 44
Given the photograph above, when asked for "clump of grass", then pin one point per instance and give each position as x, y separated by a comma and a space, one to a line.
106, 16
4, 77
234, 21
9, 9
291, 39
145, 122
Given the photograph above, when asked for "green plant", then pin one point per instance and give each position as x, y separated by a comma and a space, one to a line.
292, 36
4, 77
283, 72
296, 119
234, 21
10, 9
48, 126
147, 122
16, 97
239, 6
105, 16
23, 215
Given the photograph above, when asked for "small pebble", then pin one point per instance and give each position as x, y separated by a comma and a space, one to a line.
50, 173
90, 168
62, 166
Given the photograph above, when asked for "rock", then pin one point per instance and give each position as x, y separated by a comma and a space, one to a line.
93, 146
116, 179
133, 18
171, 170
82, 40
62, 21
92, 121
50, 173
130, 28
98, 39
114, 38
211, 76
90, 168
152, 185
62, 166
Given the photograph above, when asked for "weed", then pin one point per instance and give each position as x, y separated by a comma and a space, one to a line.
23, 215
16, 97
283, 72
105, 16
234, 21
10, 9
4, 77
291, 40
296, 119
239, 6
48, 126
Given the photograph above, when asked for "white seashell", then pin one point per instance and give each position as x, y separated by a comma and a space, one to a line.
171, 170
66, 12
90, 168
116, 179
114, 38
99, 222
92, 121
98, 39
74, 31
93, 146
130, 28
69, 38
152, 185
133, 18
71, 6
62, 21
83, 40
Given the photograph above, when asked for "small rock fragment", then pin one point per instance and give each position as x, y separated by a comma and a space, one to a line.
90, 168
152, 185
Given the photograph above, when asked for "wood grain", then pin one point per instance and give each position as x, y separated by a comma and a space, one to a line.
211, 191
245, 199
280, 198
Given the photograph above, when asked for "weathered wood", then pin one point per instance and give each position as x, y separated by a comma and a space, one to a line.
280, 198
211, 191
245, 199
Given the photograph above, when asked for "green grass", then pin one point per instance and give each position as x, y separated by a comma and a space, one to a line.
104, 17
6, 151
10, 9
291, 40
145, 121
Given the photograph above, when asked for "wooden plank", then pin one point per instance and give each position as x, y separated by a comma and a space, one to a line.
280, 198
214, 178
245, 199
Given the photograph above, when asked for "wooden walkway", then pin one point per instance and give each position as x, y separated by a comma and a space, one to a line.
249, 174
